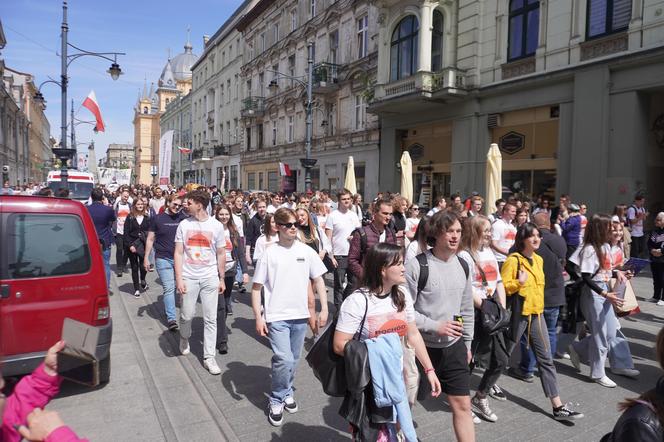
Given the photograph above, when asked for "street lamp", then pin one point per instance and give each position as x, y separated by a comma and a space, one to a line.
63, 153
307, 162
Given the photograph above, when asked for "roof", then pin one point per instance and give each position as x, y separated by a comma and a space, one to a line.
167, 80
182, 63
253, 14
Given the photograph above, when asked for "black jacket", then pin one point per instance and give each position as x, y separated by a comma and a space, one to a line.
359, 406
639, 423
135, 233
553, 251
254, 227
656, 241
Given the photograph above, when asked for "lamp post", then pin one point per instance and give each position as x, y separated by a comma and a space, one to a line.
63, 153
307, 162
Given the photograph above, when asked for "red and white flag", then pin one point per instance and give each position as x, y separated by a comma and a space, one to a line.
284, 170
91, 104
183, 149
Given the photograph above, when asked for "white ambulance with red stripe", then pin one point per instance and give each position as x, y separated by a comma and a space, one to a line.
80, 184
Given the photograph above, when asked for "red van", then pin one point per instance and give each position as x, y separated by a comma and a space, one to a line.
50, 268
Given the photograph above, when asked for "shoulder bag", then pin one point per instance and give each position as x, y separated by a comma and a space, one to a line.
515, 303
329, 367
493, 316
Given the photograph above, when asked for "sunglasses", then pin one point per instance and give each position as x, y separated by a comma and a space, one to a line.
414, 208
288, 225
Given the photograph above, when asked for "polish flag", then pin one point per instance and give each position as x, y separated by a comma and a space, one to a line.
185, 150
91, 104
284, 170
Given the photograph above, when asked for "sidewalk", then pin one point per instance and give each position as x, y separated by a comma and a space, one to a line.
156, 395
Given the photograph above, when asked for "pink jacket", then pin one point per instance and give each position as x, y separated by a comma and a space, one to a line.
35, 390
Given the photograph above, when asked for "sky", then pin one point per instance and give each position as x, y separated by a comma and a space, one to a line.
144, 29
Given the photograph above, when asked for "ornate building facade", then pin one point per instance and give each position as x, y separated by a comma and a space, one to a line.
571, 91
175, 81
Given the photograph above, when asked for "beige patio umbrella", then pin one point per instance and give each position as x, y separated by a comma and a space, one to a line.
350, 183
406, 176
494, 181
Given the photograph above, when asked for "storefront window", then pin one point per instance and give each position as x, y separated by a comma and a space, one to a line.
273, 181
251, 181
315, 178
530, 183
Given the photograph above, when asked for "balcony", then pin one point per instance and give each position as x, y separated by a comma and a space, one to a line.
442, 86
325, 78
221, 150
252, 107
197, 154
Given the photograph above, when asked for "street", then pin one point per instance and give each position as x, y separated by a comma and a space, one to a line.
157, 395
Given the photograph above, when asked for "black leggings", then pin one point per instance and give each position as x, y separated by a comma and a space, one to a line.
222, 311
491, 352
136, 262
657, 269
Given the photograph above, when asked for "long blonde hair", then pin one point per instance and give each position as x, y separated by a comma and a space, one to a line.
310, 223
473, 234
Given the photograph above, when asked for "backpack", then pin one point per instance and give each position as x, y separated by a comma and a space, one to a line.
424, 271
363, 238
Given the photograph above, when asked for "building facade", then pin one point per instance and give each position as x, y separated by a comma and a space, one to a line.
178, 118
274, 75
119, 156
216, 102
573, 93
175, 81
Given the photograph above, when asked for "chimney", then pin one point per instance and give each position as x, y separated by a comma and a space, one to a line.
206, 38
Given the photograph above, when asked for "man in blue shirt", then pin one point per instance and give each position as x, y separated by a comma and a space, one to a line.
103, 218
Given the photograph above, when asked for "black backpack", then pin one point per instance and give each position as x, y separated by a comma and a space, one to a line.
424, 271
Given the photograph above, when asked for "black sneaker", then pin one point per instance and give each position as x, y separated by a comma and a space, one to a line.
275, 414
518, 374
290, 405
497, 393
565, 413
173, 326
229, 311
223, 348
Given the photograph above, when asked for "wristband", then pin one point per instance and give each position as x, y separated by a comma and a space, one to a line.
429, 370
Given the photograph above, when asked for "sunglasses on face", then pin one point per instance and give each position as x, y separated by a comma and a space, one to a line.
288, 225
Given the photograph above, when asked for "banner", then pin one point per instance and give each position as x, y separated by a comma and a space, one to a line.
165, 153
114, 178
82, 161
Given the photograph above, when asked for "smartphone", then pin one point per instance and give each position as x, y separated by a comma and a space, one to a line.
458, 318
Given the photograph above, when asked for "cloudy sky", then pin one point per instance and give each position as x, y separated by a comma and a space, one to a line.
144, 29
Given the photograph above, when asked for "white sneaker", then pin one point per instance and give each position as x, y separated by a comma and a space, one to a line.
629, 372
605, 382
184, 346
211, 365
660, 302
476, 419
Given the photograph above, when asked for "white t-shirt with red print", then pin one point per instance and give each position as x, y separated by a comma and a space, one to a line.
582, 231
487, 262
617, 256
382, 315
586, 258
200, 240
123, 211
228, 245
504, 234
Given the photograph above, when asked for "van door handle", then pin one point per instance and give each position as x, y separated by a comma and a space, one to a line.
4, 291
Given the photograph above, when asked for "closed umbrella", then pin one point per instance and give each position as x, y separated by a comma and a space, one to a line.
406, 176
350, 183
494, 180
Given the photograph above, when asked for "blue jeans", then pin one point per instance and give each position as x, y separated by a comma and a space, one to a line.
106, 256
286, 339
527, 363
166, 273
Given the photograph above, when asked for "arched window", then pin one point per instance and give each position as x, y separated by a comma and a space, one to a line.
403, 48
167, 101
145, 109
524, 28
437, 41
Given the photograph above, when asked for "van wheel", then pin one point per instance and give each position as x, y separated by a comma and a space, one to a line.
105, 370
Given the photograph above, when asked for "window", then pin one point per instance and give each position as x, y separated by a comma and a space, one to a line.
403, 48
260, 136
251, 180
360, 112
291, 68
223, 59
362, 36
261, 84
334, 46
248, 86
523, 28
273, 181
262, 42
312, 8
46, 245
437, 42
248, 132
275, 75
276, 32
230, 52
228, 87
145, 109
293, 20
608, 16
291, 129
237, 88
251, 51
274, 133
221, 94
233, 184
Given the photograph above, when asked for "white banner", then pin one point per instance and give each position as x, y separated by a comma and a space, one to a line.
165, 153
114, 178
82, 161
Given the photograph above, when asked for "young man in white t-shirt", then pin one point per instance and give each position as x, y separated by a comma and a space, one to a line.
339, 227
503, 233
284, 271
199, 259
636, 213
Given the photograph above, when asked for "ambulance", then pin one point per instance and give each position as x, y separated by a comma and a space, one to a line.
80, 184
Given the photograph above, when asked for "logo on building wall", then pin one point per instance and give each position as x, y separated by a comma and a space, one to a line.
416, 151
512, 142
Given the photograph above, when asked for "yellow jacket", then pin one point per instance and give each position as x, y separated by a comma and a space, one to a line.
533, 289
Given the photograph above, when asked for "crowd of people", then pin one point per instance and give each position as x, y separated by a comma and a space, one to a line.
429, 289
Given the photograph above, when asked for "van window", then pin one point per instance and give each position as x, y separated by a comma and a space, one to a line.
46, 245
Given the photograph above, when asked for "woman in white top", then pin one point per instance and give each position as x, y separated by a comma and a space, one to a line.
605, 339
486, 282
357, 206
388, 307
268, 237
412, 221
